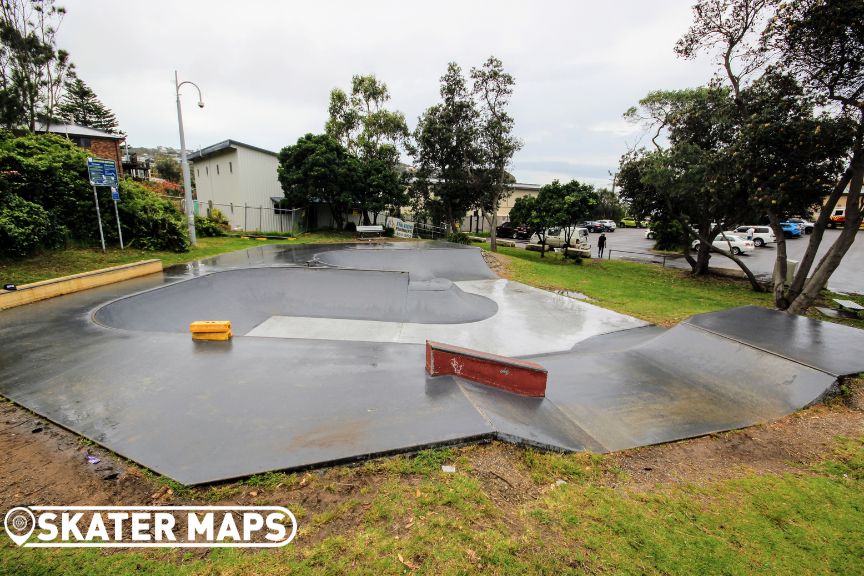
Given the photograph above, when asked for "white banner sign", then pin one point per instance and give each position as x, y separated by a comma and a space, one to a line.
404, 229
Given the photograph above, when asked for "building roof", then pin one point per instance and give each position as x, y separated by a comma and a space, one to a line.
76, 130
223, 146
524, 186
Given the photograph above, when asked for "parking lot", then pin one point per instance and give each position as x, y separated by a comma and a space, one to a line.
631, 244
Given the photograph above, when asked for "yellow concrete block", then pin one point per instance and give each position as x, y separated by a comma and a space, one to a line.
29, 293
211, 335
209, 326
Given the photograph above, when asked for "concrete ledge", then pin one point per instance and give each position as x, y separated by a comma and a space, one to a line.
29, 293
518, 376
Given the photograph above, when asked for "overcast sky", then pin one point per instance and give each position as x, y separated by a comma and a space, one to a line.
266, 68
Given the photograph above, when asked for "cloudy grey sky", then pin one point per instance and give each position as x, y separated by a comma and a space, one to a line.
266, 68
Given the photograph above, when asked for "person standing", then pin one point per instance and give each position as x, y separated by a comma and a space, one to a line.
601, 245
750, 232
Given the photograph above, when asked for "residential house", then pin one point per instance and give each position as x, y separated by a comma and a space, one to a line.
101, 144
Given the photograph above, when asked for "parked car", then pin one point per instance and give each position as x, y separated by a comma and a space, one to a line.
791, 230
629, 222
592, 226
807, 226
762, 235
723, 241
650, 234
609, 225
511, 230
579, 241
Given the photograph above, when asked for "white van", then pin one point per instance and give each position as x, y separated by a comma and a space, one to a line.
578, 240
762, 235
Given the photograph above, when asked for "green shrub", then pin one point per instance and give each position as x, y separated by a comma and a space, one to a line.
45, 176
149, 221
52, 172
213, 225
389, 232
24, 226
458, 238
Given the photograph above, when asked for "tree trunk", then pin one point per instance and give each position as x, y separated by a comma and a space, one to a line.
831, 260
780, 262
493, 233
819, 228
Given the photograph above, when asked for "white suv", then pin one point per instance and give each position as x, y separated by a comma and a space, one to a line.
610, 224
762, 235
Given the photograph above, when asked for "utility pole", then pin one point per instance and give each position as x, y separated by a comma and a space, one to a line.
184, 163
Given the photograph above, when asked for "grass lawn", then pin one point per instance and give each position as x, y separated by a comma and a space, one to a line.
409, 517
56, 263
661, 295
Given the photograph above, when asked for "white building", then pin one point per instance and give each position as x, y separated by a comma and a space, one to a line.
241, 181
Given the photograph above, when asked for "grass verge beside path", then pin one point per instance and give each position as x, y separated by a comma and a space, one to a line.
663, 296
56, 263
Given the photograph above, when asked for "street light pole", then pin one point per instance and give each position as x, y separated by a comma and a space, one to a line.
184, 163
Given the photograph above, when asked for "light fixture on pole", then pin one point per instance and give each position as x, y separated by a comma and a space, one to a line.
184, 164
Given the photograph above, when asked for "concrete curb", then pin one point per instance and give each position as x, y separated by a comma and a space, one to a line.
29, 293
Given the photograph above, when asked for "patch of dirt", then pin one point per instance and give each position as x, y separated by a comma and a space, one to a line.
497, 263
41, 463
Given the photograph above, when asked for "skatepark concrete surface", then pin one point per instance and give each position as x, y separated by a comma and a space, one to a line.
327, 362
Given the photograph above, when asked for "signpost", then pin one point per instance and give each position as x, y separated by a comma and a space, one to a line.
103, 173
115, 196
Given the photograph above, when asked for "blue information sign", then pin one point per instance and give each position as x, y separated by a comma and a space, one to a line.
115, 194
102, 172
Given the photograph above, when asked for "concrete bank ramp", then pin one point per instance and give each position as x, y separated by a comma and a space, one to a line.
450, 261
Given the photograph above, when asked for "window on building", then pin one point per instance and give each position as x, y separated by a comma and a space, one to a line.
206, 170
198, 172
230, 167
217, 169
81, 141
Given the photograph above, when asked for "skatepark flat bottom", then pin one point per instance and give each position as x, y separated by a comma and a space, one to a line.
115, 364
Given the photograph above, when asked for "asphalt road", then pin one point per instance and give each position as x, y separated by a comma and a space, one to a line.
631, 244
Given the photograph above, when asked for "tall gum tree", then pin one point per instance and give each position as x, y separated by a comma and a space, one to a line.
493, 88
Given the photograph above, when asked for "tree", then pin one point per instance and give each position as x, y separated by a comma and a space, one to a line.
168, 168
569, 204
374, 135
318, 169
32, 69
818, 46
821, 43
447, 153
534, 213
555, 206
81, 106
690, 182
493, 88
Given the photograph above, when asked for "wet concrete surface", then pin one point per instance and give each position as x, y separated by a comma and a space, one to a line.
207, 411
